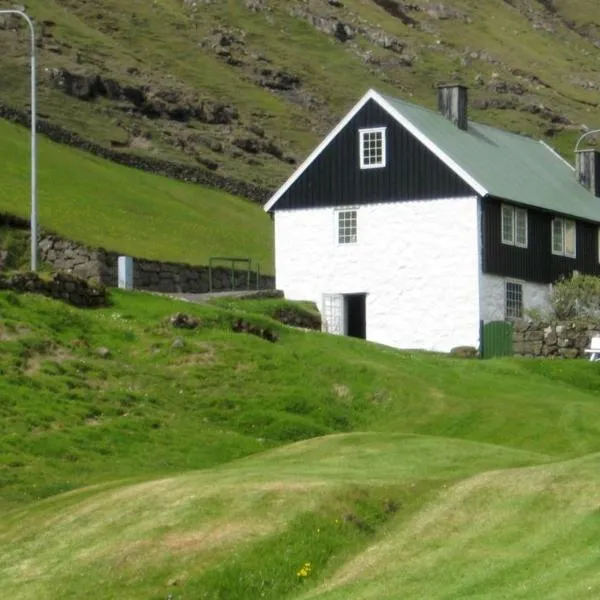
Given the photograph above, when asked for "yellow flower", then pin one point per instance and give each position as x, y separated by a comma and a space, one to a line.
304, 570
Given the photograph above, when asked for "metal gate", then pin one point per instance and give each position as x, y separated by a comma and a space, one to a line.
496, 339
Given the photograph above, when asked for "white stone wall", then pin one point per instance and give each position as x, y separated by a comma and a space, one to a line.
416, 261
492, 296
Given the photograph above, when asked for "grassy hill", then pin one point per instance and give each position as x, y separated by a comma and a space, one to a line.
247, 86
230, 467
102, 204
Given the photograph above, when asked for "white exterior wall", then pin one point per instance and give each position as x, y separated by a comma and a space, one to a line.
493, 296
416, 261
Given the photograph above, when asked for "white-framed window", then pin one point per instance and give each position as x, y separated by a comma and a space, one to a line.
513, 300
514, 226
347, 226
564, 237
372, 148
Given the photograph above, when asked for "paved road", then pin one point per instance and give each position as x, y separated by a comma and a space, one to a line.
200, 298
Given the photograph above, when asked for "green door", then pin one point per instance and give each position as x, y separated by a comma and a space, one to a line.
497, 339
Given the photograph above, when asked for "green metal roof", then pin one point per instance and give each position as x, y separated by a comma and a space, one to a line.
507, 165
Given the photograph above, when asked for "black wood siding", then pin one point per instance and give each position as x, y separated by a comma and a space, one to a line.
536, 262
336, 179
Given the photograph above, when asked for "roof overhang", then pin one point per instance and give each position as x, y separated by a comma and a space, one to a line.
403, 121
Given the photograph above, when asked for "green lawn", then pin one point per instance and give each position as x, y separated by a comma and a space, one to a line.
313, 467
102, 204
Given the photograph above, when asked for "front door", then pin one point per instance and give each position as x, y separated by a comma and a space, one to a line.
355, 311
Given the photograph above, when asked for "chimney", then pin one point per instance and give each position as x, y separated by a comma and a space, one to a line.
453, 104
587, 167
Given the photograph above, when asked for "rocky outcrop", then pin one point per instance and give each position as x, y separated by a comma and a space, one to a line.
145, 101
245, 326
346, 30
157, 166
393, 8
295, 317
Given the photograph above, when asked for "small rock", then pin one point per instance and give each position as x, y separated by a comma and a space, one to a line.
178, 343
184, 321
464, 352
103, 352
255, 5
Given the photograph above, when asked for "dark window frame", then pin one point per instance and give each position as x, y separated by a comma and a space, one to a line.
513, 299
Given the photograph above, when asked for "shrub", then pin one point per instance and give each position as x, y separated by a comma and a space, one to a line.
577, 296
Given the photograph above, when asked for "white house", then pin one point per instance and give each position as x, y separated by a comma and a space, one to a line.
410, 227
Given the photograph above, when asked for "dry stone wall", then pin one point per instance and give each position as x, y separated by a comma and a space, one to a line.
62, 286
560, 340
101, 265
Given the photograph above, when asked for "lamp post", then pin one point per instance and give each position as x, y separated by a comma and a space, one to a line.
34, 227
584, 136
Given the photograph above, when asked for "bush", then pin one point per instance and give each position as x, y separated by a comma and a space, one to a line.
578, 296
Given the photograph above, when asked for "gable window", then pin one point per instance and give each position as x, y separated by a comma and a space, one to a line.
372, 148
564, 237
514, 226
346, 226
513, 300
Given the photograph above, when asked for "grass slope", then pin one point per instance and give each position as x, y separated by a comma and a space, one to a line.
545, 48
202, 529
191, 475
101, 204
520, 533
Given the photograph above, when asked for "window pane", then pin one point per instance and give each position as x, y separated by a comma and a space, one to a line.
557, 236
347, 227
514, 300
520, 227
372, 148
570, 238
507, 225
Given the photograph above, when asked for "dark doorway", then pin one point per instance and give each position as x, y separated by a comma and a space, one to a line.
355, 309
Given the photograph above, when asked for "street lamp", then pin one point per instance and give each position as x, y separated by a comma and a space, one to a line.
584, 136
34, 227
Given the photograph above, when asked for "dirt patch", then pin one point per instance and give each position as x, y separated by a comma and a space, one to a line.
8, 335
341, 391
204, 354
141, 143
245, 367
437, 394
34, 363
220, 534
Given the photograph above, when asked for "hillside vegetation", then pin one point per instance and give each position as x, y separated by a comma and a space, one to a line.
247, 87
227, 466
105, 205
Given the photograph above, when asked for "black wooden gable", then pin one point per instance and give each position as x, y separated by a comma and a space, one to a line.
335, 178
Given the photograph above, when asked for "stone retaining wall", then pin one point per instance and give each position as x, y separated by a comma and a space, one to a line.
561, 340
101, 265
62, 286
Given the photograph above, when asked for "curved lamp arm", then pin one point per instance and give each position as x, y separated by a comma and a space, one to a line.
584, 136
34, 227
